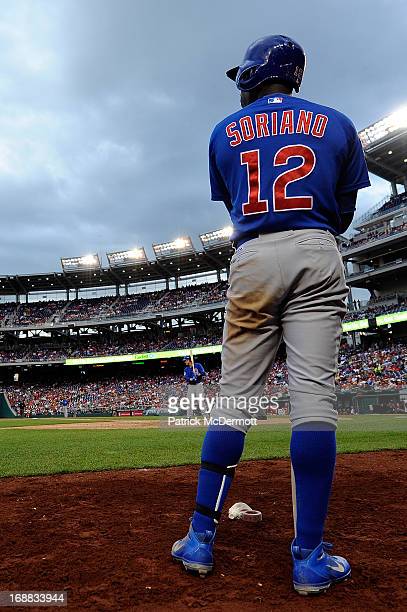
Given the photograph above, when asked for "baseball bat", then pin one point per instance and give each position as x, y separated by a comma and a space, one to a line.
192, 359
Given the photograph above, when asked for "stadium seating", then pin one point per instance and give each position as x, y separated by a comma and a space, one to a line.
138, 342
110, 307
376, 234
377, 368
121, 345
394, 202
374, 308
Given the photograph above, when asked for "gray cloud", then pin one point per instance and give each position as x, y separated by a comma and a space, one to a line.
106, 109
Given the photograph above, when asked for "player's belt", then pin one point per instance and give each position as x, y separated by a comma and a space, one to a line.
249, 236
252, 235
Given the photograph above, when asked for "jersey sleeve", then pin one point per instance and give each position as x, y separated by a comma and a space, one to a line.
201, 369
219, 192
354, 174
347, 202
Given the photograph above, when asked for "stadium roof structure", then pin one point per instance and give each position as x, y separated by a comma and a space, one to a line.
385, 146
87, 272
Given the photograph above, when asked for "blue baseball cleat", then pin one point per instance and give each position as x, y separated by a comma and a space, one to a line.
319, 570
195, 551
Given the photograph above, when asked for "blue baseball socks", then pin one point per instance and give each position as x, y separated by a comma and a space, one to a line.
313, 455
221, 451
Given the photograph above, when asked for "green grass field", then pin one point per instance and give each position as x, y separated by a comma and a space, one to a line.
41, 451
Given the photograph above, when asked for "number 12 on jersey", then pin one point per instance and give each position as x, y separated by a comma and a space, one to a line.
281, 201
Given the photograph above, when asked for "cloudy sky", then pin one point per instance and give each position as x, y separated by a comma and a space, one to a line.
106, 107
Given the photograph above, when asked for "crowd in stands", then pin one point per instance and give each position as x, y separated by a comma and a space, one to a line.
87, 308
135, 303
6, 311
382, 368
110, 307
92, 347
393, 202
13, 355
209, 339
35, 313
376, 234
373, 308
140, 342
196, 294
103, 396
204, 293
376, 368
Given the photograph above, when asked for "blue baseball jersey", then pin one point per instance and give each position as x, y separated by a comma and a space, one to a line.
192, 377
282, 163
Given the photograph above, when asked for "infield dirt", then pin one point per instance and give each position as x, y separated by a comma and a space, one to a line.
106, 537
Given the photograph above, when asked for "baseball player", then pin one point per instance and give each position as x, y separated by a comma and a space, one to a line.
288, 171
194, 374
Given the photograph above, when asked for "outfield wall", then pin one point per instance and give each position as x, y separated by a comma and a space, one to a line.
6, 411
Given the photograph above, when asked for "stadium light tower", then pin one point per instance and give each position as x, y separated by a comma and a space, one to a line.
117, 259
217, 238
385, 146
382, 129
83, 262
178, 247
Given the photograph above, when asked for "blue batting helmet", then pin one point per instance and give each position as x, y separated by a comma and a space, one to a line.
186, 358
275, 57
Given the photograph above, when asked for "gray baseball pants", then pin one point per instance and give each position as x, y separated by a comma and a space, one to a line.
194, 392
287, 285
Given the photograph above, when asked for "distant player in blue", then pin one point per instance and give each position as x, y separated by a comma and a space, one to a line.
288, 171
194, 375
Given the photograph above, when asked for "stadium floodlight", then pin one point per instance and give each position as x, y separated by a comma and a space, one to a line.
180, 246
395, 122
131, 257
84, 262
217, 238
